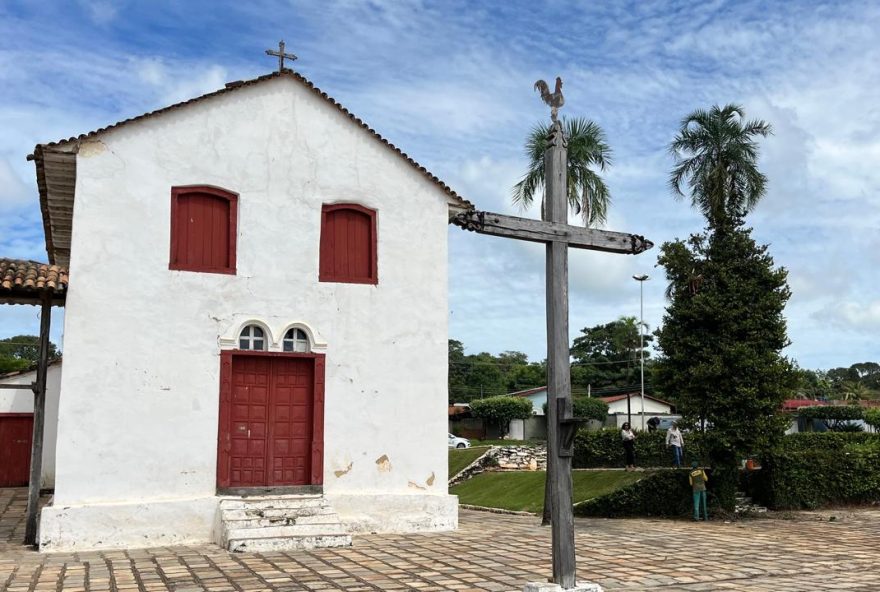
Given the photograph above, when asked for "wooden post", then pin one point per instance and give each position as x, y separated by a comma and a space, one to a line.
558, 360
33, 505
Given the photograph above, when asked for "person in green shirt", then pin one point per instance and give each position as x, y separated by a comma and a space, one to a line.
698, 478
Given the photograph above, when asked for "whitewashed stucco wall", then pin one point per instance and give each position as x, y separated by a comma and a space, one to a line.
138, 420
635, 402
22, 401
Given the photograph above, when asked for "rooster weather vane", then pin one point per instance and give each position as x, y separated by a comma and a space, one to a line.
554, 100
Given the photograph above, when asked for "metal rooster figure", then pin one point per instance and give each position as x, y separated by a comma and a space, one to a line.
554, 100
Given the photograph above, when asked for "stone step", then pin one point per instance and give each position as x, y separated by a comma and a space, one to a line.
293, 501
232, 531
287, 543
328, 518
256, 513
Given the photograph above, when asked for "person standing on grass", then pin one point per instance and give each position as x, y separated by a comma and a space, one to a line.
676, 440
629, 446
698, 478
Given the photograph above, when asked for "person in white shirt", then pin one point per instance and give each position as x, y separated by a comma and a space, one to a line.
629, 446
675, 439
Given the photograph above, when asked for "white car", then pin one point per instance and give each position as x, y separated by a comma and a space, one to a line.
456, 442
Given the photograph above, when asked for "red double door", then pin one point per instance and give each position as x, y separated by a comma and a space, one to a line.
271, 420
16, 433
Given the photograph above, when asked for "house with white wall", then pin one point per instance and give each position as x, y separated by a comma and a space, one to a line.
17, 425
257, 282
617, 405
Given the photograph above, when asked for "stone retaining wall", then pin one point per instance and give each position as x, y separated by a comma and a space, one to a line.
505, 458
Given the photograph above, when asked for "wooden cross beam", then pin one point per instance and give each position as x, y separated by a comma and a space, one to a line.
555, 232
538, 231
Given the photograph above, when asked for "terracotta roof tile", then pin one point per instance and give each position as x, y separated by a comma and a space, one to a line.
233, 86
19, 277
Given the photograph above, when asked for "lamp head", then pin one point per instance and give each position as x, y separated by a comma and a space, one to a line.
640, 278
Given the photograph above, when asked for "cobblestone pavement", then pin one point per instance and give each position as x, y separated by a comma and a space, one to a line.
489, 552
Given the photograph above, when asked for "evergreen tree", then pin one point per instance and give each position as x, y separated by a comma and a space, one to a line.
724, 329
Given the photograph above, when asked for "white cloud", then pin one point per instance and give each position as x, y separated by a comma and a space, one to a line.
860, 316
13, 191
101, 12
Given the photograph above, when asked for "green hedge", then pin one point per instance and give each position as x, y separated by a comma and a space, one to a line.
604, 449
813, 470
832, 412
663, 493
872, 418
588, 407
808, 441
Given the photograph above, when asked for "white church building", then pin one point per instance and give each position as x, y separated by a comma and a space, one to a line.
255, 333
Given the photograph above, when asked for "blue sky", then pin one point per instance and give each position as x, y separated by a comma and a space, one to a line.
451, 83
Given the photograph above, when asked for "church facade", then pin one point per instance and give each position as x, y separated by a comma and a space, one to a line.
257, 304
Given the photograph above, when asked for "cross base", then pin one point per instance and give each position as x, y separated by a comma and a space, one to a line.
550, 587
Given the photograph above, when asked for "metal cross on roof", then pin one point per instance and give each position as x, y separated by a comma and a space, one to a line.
281, 55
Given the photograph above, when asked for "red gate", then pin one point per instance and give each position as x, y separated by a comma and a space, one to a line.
16, 433
271, 428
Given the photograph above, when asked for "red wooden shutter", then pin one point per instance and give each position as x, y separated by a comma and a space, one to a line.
348, 244
203, 229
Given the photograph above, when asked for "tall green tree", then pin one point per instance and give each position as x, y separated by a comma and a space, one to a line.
588, 153
22, 352
608, 355
724, 329
716, 155
475, 376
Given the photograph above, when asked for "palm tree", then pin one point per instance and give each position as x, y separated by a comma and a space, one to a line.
716, 153
854, 391
587, 150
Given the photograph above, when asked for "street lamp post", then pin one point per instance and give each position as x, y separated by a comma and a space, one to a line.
641, 279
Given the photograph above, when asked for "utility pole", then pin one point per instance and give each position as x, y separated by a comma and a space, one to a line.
641, 279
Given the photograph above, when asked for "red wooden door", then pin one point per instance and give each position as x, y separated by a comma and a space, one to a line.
268, 423
292, 414
249, 420
16, 433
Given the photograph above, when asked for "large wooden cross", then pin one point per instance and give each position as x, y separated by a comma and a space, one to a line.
558, 235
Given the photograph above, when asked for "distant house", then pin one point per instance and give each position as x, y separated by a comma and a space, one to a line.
538, 396
616, 405
17, 427
653, 405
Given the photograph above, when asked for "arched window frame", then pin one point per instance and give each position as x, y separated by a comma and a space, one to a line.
299, 337
247, 333
373, 278
232, 198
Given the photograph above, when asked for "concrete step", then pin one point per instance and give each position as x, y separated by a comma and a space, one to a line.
272, 523
287, 543
279, 502
256, 513
293, 531
328, 518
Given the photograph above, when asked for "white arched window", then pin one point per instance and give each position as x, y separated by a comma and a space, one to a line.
295, 340
252, 338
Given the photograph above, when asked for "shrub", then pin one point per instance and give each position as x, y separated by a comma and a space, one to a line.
835, 417
587, 407
500, 410
664, 493
815, 470
872, 418
590, 408
605, 449
835, 441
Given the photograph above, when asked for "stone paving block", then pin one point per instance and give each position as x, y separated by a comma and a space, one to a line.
489, 553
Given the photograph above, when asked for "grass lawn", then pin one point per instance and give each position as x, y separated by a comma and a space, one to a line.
459, 458
524, 490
